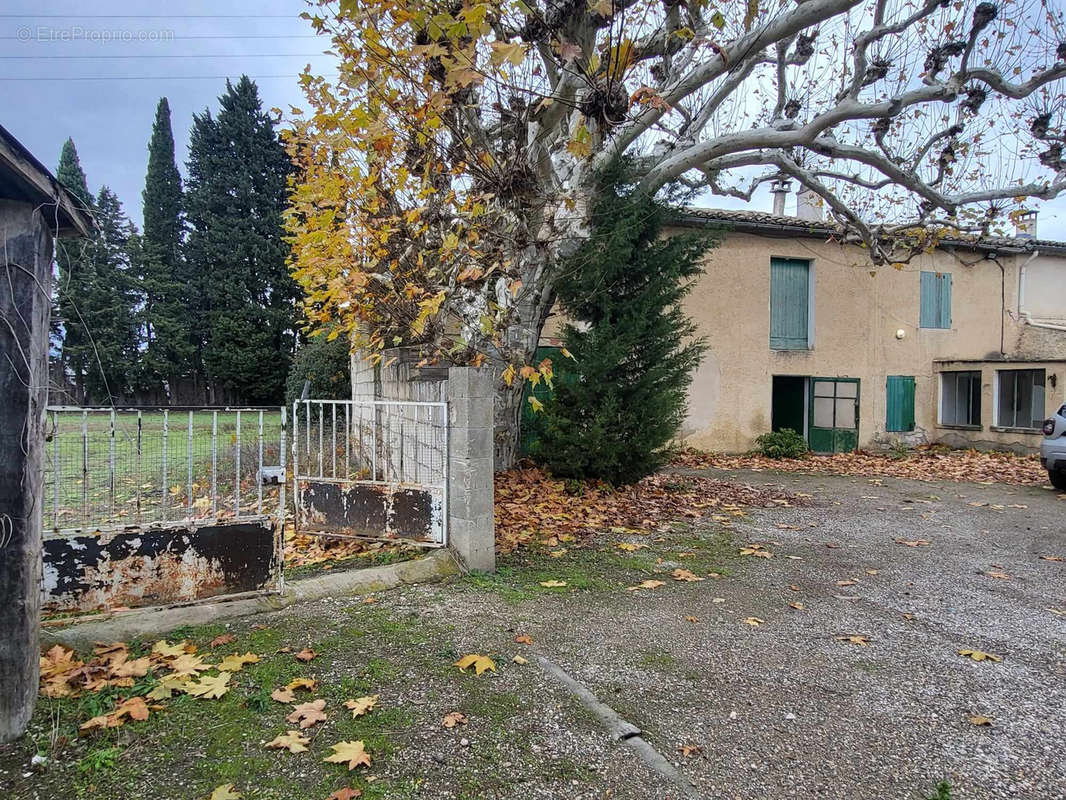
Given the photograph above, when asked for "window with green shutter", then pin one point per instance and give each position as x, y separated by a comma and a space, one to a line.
935, 311
790, 291
900, 397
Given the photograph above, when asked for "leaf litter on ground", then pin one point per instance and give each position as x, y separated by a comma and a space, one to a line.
927, 463
532, 507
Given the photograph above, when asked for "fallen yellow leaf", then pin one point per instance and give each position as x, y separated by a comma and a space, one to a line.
862, 641
225, 792
478, 662
362, 705
308, 714
283, 696
210, 687
236, 662
352, 753
648, 584
453, 718
979, 655
293, 741
685, 575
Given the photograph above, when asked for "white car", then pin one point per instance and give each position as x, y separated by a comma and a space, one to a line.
1053, 449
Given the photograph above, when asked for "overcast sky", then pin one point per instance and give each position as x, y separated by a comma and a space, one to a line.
60, 76
96, 76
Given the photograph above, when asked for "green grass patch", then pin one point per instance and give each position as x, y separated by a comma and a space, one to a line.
657, 659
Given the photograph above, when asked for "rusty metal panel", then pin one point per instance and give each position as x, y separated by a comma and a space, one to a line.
366, 509
159, 565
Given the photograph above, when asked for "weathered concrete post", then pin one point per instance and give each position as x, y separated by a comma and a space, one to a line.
24, 307
33, 209
471, 530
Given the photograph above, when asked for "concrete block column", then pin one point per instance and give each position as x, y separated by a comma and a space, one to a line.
365, 384
471, 530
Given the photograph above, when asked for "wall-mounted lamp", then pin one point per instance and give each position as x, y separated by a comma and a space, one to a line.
1053, 379
900, 333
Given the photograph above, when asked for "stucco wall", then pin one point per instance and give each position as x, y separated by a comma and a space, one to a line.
991, 436
857, 312
1044, 292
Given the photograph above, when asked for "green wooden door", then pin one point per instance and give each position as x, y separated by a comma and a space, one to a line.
899, 401
834, 415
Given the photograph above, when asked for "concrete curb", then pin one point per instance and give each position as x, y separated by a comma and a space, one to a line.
154, 622
619, 729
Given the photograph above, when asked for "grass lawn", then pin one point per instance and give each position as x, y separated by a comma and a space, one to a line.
156, 456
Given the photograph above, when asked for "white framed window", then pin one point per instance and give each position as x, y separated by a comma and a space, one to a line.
960, 398
1020, 398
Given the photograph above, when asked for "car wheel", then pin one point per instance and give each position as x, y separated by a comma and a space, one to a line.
1058, 479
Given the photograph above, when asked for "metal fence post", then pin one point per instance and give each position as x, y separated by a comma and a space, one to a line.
166, 437
214, 465
111, 469
188, 459
259, 471
237, 468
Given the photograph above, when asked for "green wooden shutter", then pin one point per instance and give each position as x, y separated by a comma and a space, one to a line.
935, 310
944, 300
789, 300
900, 396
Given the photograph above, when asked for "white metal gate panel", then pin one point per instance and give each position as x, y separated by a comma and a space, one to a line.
372, 469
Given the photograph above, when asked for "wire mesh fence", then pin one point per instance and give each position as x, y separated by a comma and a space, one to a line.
373, 441
109, 468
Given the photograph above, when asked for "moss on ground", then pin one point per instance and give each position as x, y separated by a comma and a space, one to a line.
188, 746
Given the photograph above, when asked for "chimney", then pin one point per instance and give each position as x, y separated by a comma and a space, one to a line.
779, 189
808, 205
1025, 225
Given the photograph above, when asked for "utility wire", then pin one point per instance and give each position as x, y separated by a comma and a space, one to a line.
145, 77
6, 15
176, 55
22, 38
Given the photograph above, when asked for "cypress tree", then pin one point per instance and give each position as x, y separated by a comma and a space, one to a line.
621, 402
236, 193
73, 279
165, 314
108, 307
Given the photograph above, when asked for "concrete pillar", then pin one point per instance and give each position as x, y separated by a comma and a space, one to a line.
24, 307
364, 378
471, 530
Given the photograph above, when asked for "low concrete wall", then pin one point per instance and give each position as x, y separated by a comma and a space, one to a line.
438, 565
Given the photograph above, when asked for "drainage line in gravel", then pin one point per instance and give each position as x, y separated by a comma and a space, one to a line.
619, 729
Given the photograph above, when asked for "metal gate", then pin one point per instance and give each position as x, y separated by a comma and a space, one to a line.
372, 469
157, 506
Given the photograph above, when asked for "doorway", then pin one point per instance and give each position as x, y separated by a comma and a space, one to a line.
788, 407
834, 417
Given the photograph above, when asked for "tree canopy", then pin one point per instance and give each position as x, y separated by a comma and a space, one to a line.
165, 315
451, 161
244, 298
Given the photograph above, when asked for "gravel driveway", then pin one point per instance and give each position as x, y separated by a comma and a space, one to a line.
786, 709
829, 670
